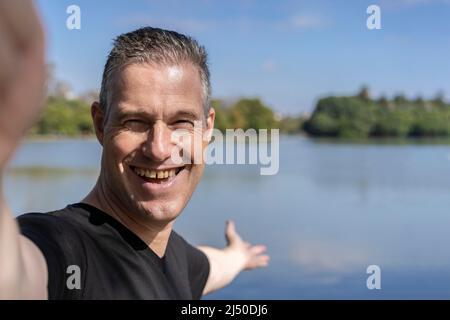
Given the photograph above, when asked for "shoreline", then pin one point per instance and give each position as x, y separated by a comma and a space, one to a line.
49, 138
300, 135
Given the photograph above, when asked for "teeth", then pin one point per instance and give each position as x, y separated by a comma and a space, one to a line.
158, 174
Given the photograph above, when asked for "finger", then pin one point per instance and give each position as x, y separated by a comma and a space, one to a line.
258, 262
22, 21
257, 250
230, 232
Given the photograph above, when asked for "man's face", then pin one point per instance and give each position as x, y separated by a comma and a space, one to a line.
147, 104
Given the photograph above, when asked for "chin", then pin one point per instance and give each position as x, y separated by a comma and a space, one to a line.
161, 211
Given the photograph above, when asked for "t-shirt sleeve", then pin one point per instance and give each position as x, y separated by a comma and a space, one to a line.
198, 270
54, 237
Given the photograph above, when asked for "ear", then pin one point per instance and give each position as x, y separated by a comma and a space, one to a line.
97, 118
210, 122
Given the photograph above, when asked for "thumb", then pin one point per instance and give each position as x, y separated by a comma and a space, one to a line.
230, 232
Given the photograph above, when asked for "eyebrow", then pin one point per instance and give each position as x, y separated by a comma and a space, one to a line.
140, 114
186, 114
143, 114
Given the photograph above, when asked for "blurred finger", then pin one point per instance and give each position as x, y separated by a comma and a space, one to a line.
29, 73
21, 20
230, 232
259, 262
7, 57
256, 250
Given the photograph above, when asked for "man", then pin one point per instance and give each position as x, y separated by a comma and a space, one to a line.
118, 242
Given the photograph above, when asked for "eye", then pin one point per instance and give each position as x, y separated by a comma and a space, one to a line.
137, 126
184, 123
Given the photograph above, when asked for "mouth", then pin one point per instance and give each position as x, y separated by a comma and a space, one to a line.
157, 176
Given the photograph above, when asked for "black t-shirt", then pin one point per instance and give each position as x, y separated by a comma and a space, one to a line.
110, 261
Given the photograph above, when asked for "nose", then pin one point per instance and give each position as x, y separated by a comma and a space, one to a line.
158, 145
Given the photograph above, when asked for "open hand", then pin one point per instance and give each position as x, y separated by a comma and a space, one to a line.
252, 256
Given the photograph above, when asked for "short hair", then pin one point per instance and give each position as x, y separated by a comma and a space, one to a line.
155, 45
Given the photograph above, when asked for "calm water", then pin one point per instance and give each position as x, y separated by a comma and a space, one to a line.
330, 212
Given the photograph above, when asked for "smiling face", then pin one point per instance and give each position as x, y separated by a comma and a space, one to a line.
148, 103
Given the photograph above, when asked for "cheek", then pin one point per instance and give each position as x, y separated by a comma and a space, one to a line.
123, 147
195, 174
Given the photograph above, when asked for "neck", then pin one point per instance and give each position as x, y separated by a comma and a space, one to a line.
154, 235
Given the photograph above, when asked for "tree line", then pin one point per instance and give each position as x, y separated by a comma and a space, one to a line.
71, 117
358, 116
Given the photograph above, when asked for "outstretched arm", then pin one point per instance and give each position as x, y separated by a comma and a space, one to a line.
227, 263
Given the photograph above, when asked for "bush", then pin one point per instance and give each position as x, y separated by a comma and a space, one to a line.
65, 117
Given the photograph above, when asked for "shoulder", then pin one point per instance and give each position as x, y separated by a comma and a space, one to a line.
62, 235
55, 232
60, 223
58, 235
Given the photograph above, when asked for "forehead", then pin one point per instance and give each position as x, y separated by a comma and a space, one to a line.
157, 88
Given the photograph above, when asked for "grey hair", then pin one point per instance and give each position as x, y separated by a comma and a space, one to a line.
154, 45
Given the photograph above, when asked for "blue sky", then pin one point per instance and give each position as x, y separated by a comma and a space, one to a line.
289, 53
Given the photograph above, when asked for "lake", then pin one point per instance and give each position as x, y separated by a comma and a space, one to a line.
330, 212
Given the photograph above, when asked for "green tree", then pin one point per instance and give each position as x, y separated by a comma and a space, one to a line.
64, 117
364, 93
222, 121
252, 113
431, 123
291, 125
349, 117
396, 123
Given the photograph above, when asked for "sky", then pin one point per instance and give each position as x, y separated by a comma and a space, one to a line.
289, 53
